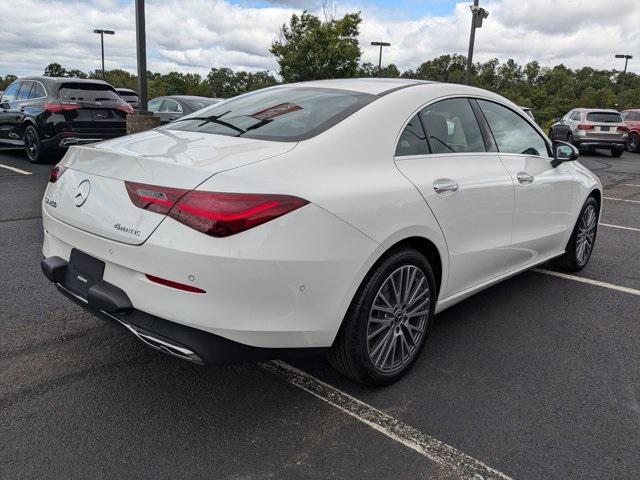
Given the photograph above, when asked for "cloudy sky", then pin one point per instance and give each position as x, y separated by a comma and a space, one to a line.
195, 35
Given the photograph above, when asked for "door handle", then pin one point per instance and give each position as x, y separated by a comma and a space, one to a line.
525, 178
445, 185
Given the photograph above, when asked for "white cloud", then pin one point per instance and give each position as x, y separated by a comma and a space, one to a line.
195, 35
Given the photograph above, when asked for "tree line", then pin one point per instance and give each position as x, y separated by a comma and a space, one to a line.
312, 48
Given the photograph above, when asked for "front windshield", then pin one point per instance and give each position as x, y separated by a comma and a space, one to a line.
286, 114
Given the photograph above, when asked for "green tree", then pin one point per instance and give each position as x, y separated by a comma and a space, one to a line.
55, 70
6, 81
225, 83
310, 49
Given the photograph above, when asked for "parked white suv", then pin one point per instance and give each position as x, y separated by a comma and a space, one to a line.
589, 128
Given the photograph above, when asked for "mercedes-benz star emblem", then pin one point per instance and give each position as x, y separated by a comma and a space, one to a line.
82, 192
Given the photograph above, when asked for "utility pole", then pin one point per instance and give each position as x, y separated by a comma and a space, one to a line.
141, 47
102, 34
380, 44
477, 16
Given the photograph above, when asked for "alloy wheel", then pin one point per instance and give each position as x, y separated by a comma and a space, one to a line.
398, 319
586, 234
31, 144
634, 142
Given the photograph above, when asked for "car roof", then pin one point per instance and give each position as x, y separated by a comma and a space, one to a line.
603, 110
42, 78
372, 86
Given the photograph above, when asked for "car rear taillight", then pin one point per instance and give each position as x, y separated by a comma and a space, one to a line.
152, 198
213, 213
623, 129
585, 127
126, 108
56, 173
61, 107
225, 214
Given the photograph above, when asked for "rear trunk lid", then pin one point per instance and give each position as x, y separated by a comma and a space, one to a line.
605, 126
91, 194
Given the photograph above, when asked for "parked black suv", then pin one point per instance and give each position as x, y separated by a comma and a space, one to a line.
47, 114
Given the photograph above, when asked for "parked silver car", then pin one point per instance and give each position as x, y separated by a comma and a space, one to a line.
589, 128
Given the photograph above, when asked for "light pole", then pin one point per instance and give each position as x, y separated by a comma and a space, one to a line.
380, 44
141, 45
478, 15
102, 34
626, 60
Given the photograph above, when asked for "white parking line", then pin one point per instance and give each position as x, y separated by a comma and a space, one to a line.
14, 169
620, 227
631, 185
621, 200
588, 281
435, 450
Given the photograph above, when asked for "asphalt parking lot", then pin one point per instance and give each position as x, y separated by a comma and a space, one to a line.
537, 378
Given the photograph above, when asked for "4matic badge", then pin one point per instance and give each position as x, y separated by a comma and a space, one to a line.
128, 230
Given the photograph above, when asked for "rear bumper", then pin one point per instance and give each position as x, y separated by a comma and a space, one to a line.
67, 139
596, 143
111, 303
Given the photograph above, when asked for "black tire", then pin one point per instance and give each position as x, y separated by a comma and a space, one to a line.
570, 138
633, 144
350, 353
572, 261
617, 152
36, 152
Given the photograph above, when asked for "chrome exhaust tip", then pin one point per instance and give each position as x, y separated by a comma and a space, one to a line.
159, 343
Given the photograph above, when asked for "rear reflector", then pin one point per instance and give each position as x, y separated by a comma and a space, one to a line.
61, 107
176, 285
215, 214
585, 127
56, 173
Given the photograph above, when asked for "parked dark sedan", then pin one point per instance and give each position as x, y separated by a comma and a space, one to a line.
172, 107
45, 115
129, 96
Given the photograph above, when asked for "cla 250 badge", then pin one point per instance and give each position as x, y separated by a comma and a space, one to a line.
51, 203
131, 231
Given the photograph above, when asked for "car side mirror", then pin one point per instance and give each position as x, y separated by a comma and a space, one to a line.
5, 106
563, 152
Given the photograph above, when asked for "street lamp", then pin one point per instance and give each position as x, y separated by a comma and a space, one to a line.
102, 34
141, 47
626, 60
380, 44
478, 15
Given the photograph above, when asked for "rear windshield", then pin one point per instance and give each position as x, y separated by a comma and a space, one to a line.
87, 92
129, 96
604, 117
201, 103
285, 114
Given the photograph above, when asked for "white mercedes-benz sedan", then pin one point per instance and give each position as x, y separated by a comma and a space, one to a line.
335, 216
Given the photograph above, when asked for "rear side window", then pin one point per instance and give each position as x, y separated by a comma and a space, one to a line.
285, 114
575, 116
171, 106
412, 140
154, 105
25, 88
87, 92
10, 93
513, 134
37, 91
452, 127
604, 117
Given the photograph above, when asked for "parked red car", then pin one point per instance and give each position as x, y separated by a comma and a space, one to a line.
632, 120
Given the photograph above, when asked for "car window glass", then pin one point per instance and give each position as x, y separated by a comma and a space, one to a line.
604, 117
513, 134
154, 105
9, 94
634, 116
451, 126
87, 92
23, 93
287, 113
171, 106
412, 140
37, 91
